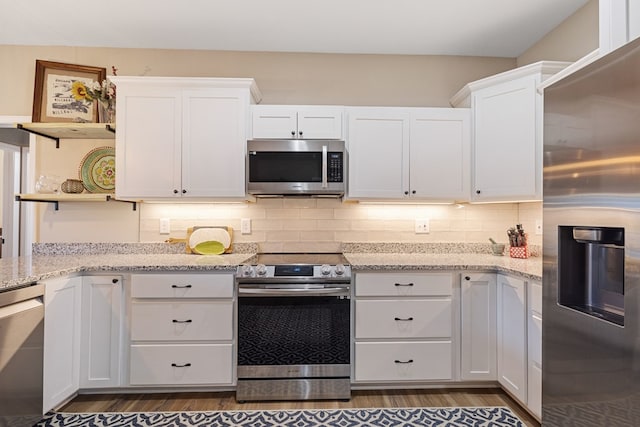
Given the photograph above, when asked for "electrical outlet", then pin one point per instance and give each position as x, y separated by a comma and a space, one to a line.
245, 225
165, 226
538, 226
422, 226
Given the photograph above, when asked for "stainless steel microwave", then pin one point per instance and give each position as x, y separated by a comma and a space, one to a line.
296, 167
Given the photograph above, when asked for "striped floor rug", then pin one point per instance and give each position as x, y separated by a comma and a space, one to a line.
373, 417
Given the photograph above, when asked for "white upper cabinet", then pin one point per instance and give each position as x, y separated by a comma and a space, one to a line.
506, 153
181, 137
408, 153
298, 122
439, 146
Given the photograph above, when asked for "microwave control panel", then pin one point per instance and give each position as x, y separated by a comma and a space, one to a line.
335, 167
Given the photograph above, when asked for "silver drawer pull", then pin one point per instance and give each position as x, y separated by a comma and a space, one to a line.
404, 284
403, 320
182, 321
180, 286
407, 361
186, 365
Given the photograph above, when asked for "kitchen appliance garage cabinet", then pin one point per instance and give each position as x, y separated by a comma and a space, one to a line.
182, 138
408, 153
404, 325
296, 122
181, 329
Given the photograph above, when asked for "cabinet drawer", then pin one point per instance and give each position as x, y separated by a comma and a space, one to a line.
181, 321
403, 284
403, 318
422, 361
194, 364
182, 285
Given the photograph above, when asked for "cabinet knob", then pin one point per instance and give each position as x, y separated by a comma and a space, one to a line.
467, 278
413, 192
406, 193
114, 281
175, 191
300, 132
293, 133
477, 191
184, 191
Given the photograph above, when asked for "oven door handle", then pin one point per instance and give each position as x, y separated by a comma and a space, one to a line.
293, 291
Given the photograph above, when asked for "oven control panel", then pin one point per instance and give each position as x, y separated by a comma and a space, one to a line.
295, 271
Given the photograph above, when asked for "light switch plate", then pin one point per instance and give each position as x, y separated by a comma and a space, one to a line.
165, 226
245, 225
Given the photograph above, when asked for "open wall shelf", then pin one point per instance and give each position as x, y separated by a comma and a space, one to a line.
56, 198
58, 131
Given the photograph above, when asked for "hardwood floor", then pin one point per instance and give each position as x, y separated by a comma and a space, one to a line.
220, 401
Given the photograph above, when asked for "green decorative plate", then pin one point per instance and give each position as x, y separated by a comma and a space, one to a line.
98, 170
209, 247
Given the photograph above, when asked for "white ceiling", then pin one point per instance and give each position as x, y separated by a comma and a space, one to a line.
503, 28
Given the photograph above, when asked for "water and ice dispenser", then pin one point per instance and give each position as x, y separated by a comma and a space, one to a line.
591, 271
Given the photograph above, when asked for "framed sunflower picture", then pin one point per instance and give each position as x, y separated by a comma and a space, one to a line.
60, 92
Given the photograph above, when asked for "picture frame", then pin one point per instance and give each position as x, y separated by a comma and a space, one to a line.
53, 100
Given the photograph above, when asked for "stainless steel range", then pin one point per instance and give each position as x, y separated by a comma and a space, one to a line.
294, 317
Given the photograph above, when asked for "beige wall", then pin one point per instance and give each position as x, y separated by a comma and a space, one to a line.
283, 78
569, 41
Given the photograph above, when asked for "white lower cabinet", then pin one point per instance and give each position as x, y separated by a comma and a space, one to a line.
404, 327
101, 342
181, 329
478, 335
512, 335
61, 340
534, 380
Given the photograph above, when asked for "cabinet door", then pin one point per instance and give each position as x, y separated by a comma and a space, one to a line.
478, 295
148, 142
534, 379
213, 142
512, 336
378, 146
61, 340
274, 122
439, 154
507, 150
101, 331
320, 123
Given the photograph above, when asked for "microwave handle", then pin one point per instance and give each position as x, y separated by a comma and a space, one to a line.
325, 182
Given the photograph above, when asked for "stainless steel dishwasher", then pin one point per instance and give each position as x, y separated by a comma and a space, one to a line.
21, 355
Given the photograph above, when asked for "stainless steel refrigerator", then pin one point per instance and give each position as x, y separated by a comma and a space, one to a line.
591, 245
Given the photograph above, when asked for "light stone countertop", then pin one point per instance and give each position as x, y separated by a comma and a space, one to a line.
17, 272
530, 268
20, 271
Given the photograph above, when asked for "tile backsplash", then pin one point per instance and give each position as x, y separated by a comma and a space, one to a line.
307, 224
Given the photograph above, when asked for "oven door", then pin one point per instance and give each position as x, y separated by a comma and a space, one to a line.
294, 332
